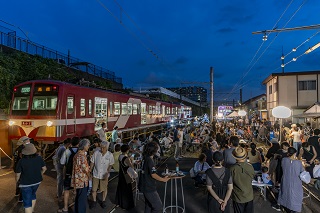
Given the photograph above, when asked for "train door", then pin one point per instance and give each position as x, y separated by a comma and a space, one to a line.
143, 113
101, 111
71, 115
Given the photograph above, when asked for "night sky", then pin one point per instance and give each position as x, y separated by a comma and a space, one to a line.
169, 42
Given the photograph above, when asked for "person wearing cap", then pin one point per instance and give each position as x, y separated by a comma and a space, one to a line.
17, 155
29, 171
219, 185
242, 175
291, 191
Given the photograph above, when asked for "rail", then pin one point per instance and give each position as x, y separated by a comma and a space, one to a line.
14, 42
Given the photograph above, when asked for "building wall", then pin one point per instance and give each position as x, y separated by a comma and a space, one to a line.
287, 91
307, 97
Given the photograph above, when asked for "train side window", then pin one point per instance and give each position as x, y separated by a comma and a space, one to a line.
129, 108
135, 109
124, 108
111, 108
70, 105
116, 108
82, 107
90, 107
154, 110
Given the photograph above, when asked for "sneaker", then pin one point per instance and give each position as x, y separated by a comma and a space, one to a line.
93, 205
20, 201
276, 207
103, 204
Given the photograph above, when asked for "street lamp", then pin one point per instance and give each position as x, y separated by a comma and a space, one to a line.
242, 113
281, 112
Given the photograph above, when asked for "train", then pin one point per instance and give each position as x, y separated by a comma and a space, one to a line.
51, 111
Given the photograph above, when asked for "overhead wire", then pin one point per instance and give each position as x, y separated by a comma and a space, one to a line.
236, 88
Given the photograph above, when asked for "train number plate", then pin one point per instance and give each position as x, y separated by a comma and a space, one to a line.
26, 123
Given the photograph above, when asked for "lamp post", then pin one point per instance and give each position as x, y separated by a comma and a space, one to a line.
281, 112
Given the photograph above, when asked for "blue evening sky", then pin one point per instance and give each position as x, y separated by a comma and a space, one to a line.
168, 42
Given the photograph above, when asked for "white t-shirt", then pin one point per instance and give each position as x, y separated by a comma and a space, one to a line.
296, 137
101, 164
181, 138
265, 177
102, 134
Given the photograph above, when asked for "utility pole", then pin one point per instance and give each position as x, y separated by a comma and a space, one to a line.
240, 96
211, 94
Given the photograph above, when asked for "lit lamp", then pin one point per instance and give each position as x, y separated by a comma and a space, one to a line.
242, 113
281, 112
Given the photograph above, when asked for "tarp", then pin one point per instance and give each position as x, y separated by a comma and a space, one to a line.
233, 114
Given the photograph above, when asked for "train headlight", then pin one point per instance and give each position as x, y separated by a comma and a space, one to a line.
49, 123
11, 123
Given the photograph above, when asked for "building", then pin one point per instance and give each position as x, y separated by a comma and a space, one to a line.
295, 90
198, 94
256, 106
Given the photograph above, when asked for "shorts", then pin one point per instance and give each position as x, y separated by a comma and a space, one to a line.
102, 184
28, 195
67, 183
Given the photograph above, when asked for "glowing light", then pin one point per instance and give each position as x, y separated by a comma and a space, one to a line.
282, 65
282, 57
49, 123
220, 115
312, 48
242, 113
11, 123
294, 59
281, 112
294, 49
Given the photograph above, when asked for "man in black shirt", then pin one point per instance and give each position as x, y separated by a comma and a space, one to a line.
314, 141
147, 181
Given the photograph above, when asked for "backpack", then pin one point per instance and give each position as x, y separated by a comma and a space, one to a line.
69, 165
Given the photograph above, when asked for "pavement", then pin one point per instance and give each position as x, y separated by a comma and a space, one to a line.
195, 198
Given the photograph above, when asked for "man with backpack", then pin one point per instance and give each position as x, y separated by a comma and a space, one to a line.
67, 161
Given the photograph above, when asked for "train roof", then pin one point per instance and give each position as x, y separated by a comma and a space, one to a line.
59, 83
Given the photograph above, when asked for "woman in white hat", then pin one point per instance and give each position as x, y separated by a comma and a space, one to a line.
29, 171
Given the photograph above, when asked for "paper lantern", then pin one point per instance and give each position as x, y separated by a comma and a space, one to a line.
281, 112
242, 113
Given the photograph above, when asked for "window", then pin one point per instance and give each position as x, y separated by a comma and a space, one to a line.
134, 109
270, 89
124, 108
111, 108
116, 108
82, 107
21, 103
129, 108
100, 107
90, 107
70, 105
150, 110
168, 110
158, 112
307, 85
153, 110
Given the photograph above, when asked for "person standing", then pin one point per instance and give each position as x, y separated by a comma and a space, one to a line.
67, 161
291, 191
242, 175
219, 185
59, 167
176, 140
101, 164
124, 194
17, 155
29, 172
114, 136
80, 176
314, 141
229, 160
148, 178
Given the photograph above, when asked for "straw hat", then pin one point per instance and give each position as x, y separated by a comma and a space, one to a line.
239, 153
29, 149
22, 140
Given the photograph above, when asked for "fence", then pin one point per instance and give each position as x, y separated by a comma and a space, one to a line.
11, 40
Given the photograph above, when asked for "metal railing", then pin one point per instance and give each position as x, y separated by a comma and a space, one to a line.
11, 40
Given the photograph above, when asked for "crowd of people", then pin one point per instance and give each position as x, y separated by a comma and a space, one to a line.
231, 156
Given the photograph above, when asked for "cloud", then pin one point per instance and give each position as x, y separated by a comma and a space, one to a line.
181, 60
226, 30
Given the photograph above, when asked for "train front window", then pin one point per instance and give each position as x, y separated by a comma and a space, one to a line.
21, 99
45, 99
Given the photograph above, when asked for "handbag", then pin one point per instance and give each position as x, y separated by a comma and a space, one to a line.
191, 172
132, 173
305, 177
127, 177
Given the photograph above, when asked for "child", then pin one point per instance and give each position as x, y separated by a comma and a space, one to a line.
265, 176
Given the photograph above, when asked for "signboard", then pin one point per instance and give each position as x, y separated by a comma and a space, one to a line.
225, 110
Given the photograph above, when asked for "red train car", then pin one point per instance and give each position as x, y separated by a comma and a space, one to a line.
49, 111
